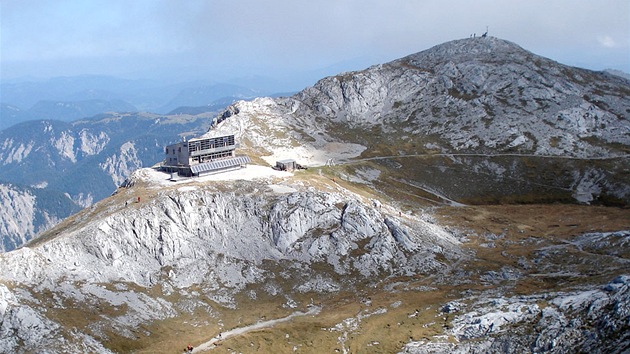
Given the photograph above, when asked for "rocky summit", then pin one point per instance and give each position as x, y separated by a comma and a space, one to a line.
483, 95
472, 197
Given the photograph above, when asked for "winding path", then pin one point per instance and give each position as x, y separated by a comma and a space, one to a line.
586, 158
313, 310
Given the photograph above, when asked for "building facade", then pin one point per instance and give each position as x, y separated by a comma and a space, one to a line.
200, 156
286, 165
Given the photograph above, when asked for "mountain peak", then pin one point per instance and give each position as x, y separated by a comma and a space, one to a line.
475, 48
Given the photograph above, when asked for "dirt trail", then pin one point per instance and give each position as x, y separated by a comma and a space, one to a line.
313, 310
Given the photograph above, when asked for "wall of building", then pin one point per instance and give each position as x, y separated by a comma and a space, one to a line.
177, 154
197, 151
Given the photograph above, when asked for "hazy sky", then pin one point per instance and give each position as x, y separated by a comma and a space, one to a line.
230, 38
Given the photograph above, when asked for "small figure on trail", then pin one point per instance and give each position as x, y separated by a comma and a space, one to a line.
189, 348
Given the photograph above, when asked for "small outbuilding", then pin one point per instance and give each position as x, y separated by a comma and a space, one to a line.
286, 165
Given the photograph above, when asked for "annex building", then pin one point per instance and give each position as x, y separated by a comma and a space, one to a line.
203, 156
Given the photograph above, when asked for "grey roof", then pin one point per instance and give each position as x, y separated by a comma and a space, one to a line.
220, 164
286, 161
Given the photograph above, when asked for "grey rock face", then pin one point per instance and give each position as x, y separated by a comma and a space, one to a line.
29, 211
589, 321
134, 245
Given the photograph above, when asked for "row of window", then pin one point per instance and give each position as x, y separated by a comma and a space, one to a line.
179, 150
215, 156
212, 143
205, 158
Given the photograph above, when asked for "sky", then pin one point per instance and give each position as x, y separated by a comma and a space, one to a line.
183, 39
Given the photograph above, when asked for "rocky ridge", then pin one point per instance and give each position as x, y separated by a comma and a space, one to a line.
593, 321
214, 239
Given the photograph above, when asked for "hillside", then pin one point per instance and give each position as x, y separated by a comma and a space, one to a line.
29, 211
468, 198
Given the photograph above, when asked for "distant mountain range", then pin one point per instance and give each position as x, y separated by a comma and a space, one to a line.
62, 110
70, 98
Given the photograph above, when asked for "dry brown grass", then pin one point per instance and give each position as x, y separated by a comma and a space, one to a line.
524, 230
376, 332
